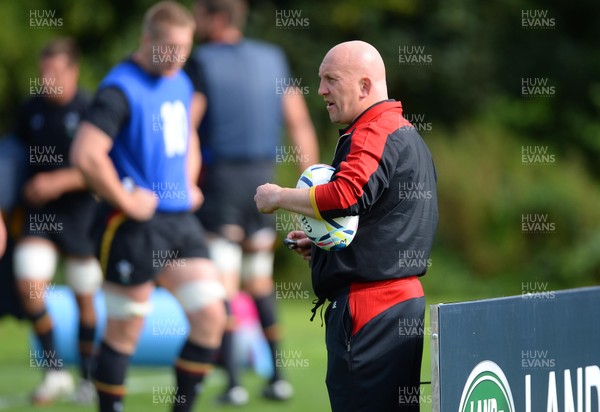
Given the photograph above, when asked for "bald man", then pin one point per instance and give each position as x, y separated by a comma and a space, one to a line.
385, 174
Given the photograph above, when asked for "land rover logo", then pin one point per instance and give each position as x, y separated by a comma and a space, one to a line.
487, 389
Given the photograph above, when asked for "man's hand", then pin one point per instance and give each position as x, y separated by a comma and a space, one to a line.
140, 204
267, 198
45, 187
303, 243
41, 189
3, 236
197, 197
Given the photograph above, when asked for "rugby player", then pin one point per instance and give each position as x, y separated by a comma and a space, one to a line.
137, 139
243, 86
59, 214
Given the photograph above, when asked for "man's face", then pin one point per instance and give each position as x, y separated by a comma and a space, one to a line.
170, 50
203, 22
340, 89
58, 73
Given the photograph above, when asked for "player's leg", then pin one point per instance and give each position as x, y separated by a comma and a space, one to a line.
221, 217
194, 281
257, 279
126, 307
125, 256
35, 260
84, 276
227, 257
196, 285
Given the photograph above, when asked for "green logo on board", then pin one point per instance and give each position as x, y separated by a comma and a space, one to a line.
487, 390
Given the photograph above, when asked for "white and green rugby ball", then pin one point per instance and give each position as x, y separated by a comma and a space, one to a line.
327, 234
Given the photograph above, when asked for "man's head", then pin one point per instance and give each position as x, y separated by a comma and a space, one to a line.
216, 19
352, 79
59, 69
167, 38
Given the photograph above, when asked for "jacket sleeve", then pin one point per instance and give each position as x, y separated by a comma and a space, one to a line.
361, 179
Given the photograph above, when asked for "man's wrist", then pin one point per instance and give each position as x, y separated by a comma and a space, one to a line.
124, 201
278, 197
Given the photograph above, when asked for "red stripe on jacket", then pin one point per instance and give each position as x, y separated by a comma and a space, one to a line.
366, 149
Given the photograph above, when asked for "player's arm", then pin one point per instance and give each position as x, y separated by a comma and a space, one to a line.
301, 129
90, 154
2, 235
46, 186
194, 163
199, 102
198, 109
270, 197
358, 183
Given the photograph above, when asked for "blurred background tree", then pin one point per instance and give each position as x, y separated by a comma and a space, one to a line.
468, 97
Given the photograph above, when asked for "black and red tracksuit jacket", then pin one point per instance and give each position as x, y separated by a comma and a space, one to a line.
385, 174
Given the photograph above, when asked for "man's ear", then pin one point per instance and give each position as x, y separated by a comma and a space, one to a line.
365, 87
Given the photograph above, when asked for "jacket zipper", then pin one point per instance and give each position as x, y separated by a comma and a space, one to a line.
347, 336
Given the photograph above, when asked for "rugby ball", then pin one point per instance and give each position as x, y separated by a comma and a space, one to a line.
327, 234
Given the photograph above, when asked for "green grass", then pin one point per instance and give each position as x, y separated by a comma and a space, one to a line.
17, 379
447, 281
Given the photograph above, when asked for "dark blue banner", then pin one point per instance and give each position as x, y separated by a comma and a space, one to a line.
536, 352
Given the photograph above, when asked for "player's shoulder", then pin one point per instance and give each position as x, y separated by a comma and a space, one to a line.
263, 45
125, 70
252, 45
264, 48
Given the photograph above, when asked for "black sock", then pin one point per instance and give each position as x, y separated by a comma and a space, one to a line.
44, 331
109, 378
194, 363
265, 305
227, 350
86, 349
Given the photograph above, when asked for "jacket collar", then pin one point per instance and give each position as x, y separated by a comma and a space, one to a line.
372, 112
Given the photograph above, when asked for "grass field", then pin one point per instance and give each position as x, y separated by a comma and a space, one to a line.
17, 379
